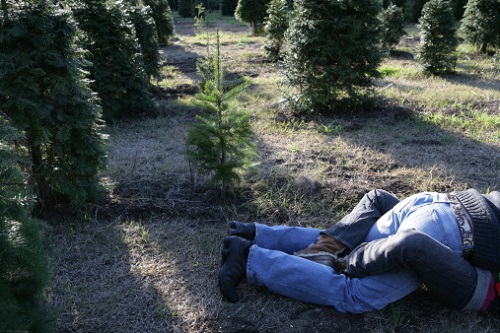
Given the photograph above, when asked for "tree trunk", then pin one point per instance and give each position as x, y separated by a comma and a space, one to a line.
41, 186
4, 10
483, 47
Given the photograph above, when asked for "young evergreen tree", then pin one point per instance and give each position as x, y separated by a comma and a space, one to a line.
392, 26
481, 23
276, 26
228, 7
185, 8
147, 36
437, 38
43, 91
253, 12
332, 54
408, 7
163, 19
221, 143
24, 275
117, 62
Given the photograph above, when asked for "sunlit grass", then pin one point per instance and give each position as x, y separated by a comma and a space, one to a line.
477, 125
173, 77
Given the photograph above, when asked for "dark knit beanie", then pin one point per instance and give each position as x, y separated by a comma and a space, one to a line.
485, 214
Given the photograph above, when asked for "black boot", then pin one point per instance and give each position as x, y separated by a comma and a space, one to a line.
233, 266
245, 230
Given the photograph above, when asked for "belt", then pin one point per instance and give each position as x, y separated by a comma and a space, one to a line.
464, 225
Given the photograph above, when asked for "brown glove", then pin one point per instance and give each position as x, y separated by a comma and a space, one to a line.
324, 244
325, 251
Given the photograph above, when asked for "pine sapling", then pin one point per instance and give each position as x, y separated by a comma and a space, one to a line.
221, 141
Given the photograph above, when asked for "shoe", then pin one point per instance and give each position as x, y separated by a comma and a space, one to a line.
233, 266
245, 230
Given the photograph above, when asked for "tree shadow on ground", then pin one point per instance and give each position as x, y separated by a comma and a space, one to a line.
473, 81
310, 181
95, 288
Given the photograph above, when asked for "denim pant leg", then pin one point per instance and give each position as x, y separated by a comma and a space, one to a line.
271, 265
308, 281
448, 275
354, 227
284, 238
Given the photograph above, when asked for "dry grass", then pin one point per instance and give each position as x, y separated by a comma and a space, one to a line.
147, 262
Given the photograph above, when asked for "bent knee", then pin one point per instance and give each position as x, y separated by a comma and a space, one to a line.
414, 239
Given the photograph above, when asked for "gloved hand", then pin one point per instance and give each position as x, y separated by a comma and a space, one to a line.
325, 251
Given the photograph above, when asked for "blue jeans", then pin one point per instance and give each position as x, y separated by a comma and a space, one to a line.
271, 262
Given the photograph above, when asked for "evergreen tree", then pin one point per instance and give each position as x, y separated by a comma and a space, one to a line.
253, 12
437, 37
173, 4
43, 91
392, 26
276, 26
24, 276
147, 36
416, 10
117, 62
221, 143
211, 5
332, 55
228, 7
163, 19
185, 8
459, 8
481, 23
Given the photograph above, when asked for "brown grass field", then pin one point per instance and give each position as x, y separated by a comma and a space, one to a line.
146, 259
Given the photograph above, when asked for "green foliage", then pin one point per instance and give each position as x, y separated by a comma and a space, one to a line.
117, 62
199, 20
205, 69
211, 5
458, 8
333, 55
24, 274
276, 26
405, 5
437, 38
148, 39
481, 23
173, 4
185, 8
228, 7
416, 9
392, 26
221, 143
163, 19
45, 93
253, 12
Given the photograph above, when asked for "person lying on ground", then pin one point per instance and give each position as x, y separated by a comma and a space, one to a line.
377, 254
